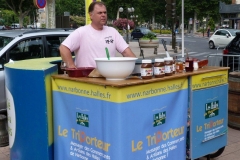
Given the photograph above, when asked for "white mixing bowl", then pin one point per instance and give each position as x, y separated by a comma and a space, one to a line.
117, 68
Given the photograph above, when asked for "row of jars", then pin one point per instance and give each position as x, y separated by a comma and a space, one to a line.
164, 67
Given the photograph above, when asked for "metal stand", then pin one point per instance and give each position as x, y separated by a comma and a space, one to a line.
142, 53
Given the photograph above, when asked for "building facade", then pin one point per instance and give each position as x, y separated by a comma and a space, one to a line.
230, 14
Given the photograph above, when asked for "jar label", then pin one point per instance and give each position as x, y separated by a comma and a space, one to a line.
174, 67
146, 72
186, 64
168, 69
159, 70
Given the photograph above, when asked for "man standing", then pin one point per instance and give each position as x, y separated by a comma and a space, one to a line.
89, 42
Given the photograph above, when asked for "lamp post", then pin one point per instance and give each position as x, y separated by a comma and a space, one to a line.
134, 17
129, 10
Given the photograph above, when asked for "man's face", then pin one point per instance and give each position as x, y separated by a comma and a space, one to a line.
99, 15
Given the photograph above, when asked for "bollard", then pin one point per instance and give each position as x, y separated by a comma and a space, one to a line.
180, 45
4, 141
175, 50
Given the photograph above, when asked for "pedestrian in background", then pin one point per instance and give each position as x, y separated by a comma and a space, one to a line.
208, 31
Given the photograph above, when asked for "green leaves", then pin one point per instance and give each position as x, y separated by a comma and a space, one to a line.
75, 7
149, 36
203, 8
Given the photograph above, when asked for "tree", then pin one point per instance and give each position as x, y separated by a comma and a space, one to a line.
75, 7
211, 24
7, 17
204, 9
153, 11
21, 8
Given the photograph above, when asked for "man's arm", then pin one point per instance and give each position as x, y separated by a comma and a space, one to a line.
128, 53
67, 56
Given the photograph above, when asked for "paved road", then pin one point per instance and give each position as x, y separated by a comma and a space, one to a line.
196, 45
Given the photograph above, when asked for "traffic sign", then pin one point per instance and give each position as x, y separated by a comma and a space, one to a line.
40, 3
41, 10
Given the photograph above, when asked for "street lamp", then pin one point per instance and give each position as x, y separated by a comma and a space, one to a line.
129, 10
134, 17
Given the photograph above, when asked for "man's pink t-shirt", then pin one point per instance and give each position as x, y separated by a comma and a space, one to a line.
88, 44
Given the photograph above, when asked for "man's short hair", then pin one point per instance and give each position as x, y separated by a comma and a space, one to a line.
92, 5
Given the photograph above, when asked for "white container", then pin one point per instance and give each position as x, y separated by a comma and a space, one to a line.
195, 65
117, 68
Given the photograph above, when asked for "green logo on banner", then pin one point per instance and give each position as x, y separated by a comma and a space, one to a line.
82, 119
211, 109
159, 119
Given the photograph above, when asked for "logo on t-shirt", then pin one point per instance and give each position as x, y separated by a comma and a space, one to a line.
109, 39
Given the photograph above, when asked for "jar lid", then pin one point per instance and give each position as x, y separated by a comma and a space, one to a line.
159, 60
168, 59
146, 61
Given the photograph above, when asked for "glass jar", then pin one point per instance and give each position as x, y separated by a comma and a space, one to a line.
179, 67
174, 65
189, 64
168, 61
159, 68
146, 69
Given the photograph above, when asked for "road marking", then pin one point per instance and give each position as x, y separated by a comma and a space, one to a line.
192, 52
203, 53
196, 54
168, 38
214, 55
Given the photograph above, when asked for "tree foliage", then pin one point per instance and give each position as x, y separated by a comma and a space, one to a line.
75, 7
211, 24
7, 17
147, 10
77, 21
21, 8
121, 23
207, 8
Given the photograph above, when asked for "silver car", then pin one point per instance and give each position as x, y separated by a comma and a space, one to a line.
18, 45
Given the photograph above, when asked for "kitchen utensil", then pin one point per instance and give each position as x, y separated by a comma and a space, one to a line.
79, 72
108, 56
203, 62
117, 68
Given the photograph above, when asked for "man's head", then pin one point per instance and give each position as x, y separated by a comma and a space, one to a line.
98, 14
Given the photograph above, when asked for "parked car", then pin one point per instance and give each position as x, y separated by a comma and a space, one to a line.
2, 27
15, 26
231, 54
34, 25
140, 32
222, 37
18, 45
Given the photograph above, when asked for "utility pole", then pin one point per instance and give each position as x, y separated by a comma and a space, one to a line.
170, 12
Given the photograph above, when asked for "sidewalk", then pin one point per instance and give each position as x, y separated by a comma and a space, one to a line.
148, 52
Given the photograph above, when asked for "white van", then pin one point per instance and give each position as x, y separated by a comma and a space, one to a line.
15, 25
